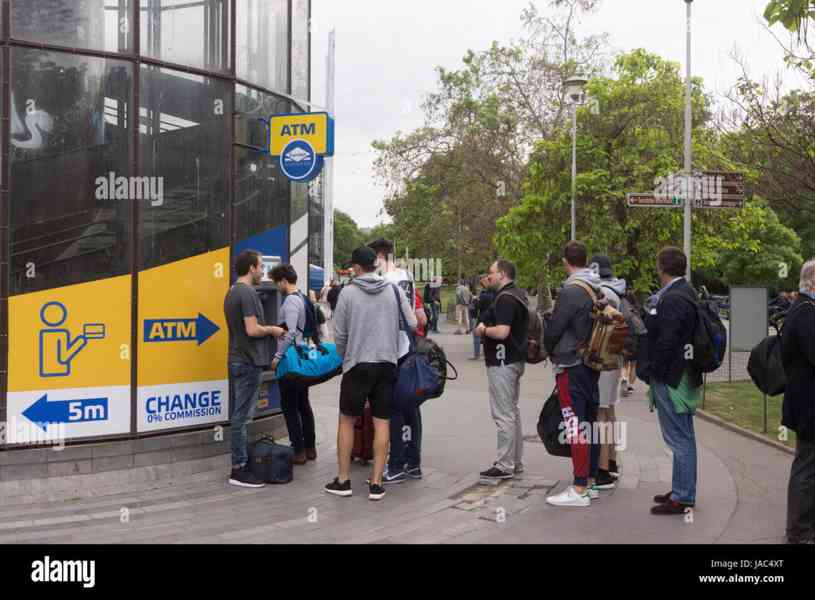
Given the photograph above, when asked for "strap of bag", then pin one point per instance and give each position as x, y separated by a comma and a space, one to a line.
449, 364
523, 304
403, 326
587, 288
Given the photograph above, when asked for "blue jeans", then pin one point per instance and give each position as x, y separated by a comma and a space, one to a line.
406, 441
476, 340
244, 389
677, 430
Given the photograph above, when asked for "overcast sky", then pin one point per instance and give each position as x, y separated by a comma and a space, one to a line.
387, 51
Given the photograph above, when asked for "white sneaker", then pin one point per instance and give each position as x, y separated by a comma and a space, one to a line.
570, 497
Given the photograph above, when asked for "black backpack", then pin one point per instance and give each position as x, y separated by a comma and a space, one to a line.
271, 462
709, 338
766, 367
311, 330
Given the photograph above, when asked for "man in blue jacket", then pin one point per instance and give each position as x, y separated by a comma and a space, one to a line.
675, 384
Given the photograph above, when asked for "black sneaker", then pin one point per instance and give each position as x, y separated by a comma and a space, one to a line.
495, 473
376, 492
614, 469
605, 481
243, 477
339, 489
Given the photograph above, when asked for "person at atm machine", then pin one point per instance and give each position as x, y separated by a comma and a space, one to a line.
249, 355
294, 400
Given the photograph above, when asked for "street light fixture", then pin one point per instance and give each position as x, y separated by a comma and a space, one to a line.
575, 92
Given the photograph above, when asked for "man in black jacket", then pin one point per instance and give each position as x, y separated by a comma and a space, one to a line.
798, 356
675, 385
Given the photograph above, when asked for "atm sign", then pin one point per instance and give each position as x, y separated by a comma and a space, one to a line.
315, 128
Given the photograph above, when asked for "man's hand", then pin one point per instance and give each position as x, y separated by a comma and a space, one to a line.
275, 362
481, 330
276, 331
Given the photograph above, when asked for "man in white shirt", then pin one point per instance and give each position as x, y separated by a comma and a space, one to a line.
405, 457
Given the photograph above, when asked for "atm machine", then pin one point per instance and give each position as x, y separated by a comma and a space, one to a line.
271, 300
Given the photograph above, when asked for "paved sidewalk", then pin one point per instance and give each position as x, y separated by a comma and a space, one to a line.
741, 499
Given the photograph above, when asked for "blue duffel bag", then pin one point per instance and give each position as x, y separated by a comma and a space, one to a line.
416, 379
306, 366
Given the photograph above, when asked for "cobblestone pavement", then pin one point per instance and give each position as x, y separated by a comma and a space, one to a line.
742, 489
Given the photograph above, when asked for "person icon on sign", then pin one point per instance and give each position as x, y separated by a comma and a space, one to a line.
57, 349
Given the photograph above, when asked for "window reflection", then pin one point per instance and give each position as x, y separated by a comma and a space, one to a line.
187, 32
263, 43
183, 141
93, 24
300, 49
69, 126
261, 190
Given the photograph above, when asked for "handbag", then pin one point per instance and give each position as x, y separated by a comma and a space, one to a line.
305, 366
416, 379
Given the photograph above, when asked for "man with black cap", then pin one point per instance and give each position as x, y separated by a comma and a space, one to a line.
405, 460
366, 330
609, 383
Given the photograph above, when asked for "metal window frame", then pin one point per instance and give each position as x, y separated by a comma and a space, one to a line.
135, 57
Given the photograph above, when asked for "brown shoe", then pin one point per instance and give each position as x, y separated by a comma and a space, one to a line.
311, 453
663, 499
670, 508
300, 459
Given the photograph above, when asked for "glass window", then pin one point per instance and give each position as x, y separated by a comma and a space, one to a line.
300, 42
263, 43
192, 33
70, 133
261, 190
94, 24
316, 223
184, 152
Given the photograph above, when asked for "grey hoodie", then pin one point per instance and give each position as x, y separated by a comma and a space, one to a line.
614, 290
366, 321
570, 324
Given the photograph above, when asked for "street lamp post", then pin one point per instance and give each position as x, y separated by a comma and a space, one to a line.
688, 150
575, 87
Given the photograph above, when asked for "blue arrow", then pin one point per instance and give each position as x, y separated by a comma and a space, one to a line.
205, 329
42, 412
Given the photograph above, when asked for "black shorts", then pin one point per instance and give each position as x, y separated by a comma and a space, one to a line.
368, 381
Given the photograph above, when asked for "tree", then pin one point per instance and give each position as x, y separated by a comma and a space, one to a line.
637, 137
448, 182
796, 17
347, 238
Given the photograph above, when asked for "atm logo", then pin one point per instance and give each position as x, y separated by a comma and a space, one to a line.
197, 330
316, 129
299, 129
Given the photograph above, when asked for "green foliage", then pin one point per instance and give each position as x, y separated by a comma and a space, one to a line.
637, 137
347, 238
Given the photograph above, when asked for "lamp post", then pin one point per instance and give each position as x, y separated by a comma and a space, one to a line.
575, 92
688, 150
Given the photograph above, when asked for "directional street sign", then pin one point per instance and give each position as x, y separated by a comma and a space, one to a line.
712, 189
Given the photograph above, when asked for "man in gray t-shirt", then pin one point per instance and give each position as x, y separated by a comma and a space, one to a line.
249, 355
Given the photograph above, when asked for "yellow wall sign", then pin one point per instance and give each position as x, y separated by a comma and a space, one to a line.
183, 343
315, 128
70, 360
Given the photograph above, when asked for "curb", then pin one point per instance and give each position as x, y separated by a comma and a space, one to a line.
743, 432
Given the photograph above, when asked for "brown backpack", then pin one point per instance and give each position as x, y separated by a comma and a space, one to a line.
609, 333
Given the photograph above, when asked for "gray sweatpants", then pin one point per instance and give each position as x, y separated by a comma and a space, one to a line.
505, 390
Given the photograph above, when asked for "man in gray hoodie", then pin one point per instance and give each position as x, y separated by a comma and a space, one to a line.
366, 331
566, 331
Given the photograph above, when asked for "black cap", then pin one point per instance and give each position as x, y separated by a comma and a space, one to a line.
363, 256
381, 244
604, 265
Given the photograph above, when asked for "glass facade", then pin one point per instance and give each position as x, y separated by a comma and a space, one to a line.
136, 143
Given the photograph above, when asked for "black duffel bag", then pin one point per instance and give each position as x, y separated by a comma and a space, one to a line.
271, 462
551, 428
